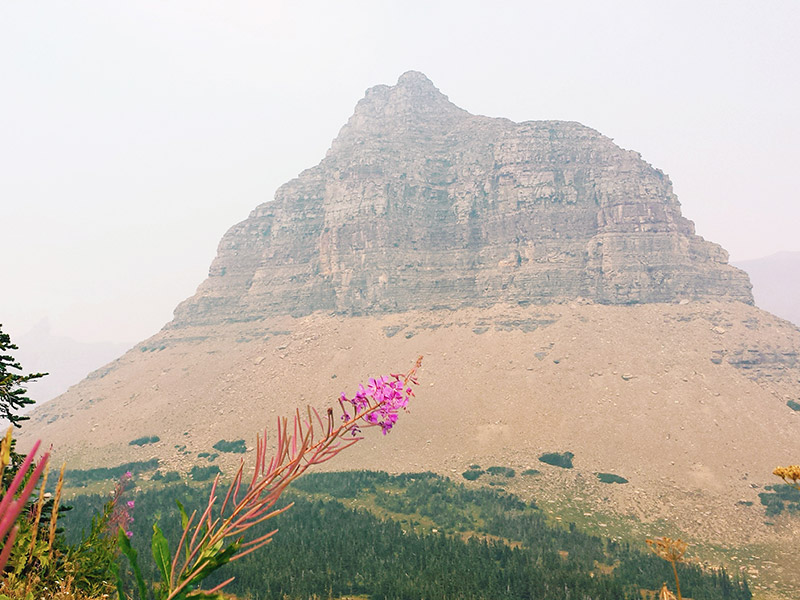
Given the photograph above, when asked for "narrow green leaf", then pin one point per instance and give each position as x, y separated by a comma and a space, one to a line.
161, 555
216, 557
184, 522
184, 516
128, 550
120, 587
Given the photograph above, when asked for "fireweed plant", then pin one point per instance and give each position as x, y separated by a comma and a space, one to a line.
17, 494
216, 536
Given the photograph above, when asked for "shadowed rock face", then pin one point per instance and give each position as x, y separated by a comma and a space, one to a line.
419, 204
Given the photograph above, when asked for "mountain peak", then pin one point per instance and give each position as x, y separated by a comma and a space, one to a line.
413, 102
415, 79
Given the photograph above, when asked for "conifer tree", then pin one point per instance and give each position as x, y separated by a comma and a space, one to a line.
13, 387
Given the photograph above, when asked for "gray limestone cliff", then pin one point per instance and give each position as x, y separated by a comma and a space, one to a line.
419, 204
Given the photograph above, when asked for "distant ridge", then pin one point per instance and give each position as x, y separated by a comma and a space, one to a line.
776, 283
67, 361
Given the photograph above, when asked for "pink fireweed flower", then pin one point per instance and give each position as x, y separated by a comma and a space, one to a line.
120, 516
386, 395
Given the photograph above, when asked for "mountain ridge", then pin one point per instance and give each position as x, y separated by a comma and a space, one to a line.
776, 283
418, 204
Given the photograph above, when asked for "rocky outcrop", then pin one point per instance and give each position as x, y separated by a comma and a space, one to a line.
419, 204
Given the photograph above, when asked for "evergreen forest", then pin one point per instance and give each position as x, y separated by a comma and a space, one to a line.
384, 537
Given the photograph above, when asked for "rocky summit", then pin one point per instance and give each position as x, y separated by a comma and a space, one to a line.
419, 204
563, 305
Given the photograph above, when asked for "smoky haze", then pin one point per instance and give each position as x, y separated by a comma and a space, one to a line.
135, 134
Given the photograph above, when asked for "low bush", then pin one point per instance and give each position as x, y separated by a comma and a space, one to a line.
142, 441
82, 477
778, 498
171, 476
204, 473
558, 459
611, 478
472, 474
504, 471
234, 446
168, 477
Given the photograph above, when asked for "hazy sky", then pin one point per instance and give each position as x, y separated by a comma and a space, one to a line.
133, 134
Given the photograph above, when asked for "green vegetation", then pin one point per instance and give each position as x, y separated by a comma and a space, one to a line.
501, 471
531, 472
611, 478
472, 474
142, 441
13, 385
168, 477
558, 459
83, 477
234, 446
152, 348
199, 473
793, 405
778, 498
419, 536
13, 398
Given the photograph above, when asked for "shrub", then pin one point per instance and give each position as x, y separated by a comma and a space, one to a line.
147, 439
204, 473
793, 405
531, 472
81, 477
505, 471
611, 478
472, 474
776, 498
171, 476
168, 477
234, 446
558, 459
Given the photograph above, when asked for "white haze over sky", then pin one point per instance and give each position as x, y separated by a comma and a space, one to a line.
134, 134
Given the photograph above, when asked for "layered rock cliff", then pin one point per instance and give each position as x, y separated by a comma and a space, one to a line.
419, 204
